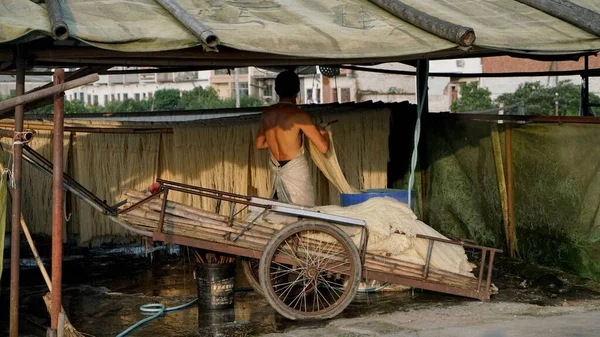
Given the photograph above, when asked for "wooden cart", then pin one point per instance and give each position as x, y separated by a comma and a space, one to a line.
310, 268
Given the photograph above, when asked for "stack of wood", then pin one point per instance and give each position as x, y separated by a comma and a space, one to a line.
207, 257
187, 221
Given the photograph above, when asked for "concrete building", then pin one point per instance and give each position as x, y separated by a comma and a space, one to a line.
136, 86
7, 83
223, 80
362, 86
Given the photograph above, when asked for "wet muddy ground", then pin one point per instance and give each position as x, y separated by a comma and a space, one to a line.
103, 290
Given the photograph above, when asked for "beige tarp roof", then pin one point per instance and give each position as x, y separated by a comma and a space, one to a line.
309, 28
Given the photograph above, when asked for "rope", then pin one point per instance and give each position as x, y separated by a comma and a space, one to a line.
11, 163
157, 309
413, 163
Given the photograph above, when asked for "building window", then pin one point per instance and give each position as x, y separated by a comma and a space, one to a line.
81, 97
268, 90
150, 95
222, 72
125, 97
144, 96
105, 99
243, 71
119, 96
334, 95
89, 99
345, 95
137, 97
95, 99
112, 97
309, 96
243, 88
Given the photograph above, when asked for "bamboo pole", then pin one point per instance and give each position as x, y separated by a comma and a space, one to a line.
69, 328
570, 12
509, 191
188, 21
497, 151
181, 210
464, 36
36, 95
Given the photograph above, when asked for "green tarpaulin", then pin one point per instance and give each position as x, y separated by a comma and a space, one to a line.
309, 28
556, 171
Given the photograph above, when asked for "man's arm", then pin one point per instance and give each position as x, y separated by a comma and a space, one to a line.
319, 137
261, 140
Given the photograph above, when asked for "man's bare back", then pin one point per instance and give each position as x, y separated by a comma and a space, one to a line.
281, 129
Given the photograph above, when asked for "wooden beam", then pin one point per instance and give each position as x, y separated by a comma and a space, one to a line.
461, 35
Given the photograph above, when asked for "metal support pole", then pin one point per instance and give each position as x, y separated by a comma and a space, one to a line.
16, 201
237, 87
422, 108
57, 199
585, 97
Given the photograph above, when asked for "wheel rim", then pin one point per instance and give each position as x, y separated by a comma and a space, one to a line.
315, 266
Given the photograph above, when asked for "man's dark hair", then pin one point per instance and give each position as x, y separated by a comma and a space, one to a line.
287, 84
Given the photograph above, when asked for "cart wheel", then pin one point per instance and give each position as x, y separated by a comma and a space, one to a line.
250, 267
321, 265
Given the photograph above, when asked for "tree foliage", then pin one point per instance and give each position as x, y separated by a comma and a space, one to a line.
472, 98
533, 98
164, 99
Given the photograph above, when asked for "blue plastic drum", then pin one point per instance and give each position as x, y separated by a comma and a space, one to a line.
400, 195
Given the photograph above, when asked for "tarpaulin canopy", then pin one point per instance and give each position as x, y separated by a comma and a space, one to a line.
326, 30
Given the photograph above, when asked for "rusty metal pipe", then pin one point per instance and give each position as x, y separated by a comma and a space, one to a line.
60, 30
57, 199
16, 201
20, 136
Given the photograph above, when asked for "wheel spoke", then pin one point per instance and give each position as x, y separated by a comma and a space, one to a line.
300, 266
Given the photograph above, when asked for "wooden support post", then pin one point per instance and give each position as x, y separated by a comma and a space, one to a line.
16, 201
57, 200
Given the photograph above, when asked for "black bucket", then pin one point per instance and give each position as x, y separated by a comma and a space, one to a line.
215, 285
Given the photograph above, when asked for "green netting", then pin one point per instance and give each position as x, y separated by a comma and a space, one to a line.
556, 171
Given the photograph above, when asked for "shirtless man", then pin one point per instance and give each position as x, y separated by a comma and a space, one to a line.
282, 127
